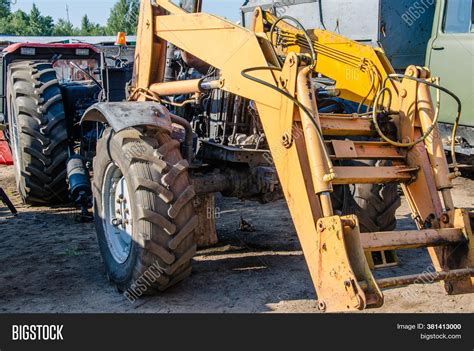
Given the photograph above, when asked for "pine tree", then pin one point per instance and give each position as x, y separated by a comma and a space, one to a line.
64, 28
38, 24
123, 17
90, 28
86, 25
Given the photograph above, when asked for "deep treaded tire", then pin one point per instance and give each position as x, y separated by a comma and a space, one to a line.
374, 204
162, 212
38, 134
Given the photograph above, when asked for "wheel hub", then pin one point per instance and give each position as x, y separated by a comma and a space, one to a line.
117, 216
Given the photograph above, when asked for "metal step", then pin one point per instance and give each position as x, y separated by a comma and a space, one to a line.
364, 150
373, 175
345, 125
411, 239
424, 278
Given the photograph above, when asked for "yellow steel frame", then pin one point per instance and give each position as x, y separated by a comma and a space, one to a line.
331, 244
358, 70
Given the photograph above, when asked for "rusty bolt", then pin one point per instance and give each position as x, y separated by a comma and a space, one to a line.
321, 226
322, 305
287, 140
349, 223
403, 93
445, 218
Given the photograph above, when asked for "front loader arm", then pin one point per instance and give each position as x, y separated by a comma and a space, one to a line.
287, 107
359, 70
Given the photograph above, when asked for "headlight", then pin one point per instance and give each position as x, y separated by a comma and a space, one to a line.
28, 51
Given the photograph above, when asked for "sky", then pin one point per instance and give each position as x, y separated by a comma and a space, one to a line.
98, 10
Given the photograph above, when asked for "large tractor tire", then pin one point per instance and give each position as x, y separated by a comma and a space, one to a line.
375, 206
144, 214
37, 131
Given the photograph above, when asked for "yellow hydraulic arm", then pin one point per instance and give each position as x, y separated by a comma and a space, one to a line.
359, 70
250, 67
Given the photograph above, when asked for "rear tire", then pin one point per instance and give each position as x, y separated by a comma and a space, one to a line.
38, 133
375, 205
161, 210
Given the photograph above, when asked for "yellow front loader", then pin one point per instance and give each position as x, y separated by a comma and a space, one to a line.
146, 177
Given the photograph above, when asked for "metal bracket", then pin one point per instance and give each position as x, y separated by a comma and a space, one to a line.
342, 265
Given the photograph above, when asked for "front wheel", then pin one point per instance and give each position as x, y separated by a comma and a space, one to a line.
143, 208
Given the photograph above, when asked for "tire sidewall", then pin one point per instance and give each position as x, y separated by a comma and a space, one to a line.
121, 273
15, 139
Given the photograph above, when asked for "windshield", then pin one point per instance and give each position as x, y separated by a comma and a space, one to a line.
66, 72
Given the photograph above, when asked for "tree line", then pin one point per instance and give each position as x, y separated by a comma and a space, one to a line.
123, 18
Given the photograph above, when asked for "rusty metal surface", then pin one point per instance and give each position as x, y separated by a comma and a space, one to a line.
453, 275
123, 115
258, 183
341, 265
350, 150
205, 234
372, 175
332, 125
410, 239
216, 152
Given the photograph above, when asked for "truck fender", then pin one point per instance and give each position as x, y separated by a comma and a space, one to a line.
123, 115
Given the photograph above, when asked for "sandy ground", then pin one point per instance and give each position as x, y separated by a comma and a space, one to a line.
51, 263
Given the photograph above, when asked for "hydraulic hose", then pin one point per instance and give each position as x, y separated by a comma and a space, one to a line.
435, 120
245, 74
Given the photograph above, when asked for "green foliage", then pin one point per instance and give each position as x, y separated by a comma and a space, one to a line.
64, 28
123, 18
4, 8
21, 23
38, 24
16, 23
90, 28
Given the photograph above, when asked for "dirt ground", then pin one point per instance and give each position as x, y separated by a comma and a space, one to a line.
51, 263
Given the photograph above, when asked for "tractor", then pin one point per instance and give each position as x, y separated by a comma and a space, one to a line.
44, 92
261, 112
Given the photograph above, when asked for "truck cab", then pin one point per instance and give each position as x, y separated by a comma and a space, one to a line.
450, 55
